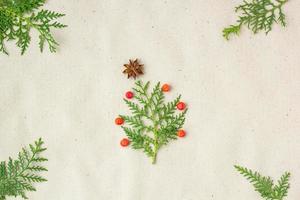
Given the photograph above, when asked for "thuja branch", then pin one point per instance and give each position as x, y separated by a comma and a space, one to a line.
19, 17
257, 15
153, 122
17, 176
265, 185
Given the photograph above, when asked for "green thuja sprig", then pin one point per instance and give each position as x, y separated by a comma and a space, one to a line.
257, 15
265, 185
17, 176
153, 122
18, 17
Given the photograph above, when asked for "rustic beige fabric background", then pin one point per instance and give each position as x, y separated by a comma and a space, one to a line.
243, 97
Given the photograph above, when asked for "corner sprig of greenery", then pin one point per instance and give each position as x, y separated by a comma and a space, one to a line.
18, 17
265, 185
17, 176
163, 122
257, 15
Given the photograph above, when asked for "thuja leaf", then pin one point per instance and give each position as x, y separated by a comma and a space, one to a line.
19, 17
18, 176
281, 189
257, 15
265, 185
153, 122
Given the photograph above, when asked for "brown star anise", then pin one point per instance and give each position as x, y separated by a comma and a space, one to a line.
133, 68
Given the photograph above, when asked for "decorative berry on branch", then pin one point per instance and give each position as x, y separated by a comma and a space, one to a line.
181, 133
129, 95
19, 17
153, 123
181, 106
166, 88
119, 121
257, 15
265, 185
124, 142
133, 69
18, 176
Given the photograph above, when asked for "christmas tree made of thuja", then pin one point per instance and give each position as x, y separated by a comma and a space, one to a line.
153, 122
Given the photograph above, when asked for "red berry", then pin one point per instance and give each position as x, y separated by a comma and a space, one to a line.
124, 142
166, 88
129, 95
119, 121
181, 133
181, 106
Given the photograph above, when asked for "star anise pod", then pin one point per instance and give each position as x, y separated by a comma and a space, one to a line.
133, 68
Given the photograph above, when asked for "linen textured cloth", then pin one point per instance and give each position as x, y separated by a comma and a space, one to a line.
243, 98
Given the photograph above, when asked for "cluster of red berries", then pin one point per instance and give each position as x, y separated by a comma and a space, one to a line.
129, 95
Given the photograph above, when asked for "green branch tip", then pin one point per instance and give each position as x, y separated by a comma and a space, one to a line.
19, 17
257, 15
18, 176
265, 185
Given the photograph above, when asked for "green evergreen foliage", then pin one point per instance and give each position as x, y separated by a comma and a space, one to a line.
163, 121
257, 15
18, 17
265, 185
18, 176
